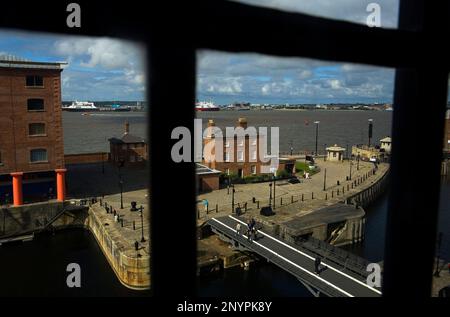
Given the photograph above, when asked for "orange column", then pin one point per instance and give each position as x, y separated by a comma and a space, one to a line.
61, 184
17, 188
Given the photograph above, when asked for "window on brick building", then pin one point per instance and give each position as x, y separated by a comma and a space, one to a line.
35, 104
35, 129
253, 169
227, 156
38, 155
240, 155
35, 81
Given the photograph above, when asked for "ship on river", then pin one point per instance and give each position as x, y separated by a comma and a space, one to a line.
80, 106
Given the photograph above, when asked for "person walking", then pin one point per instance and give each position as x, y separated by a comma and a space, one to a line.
317, 265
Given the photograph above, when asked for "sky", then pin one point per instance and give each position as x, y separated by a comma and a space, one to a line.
110, 69
98, 68
225, 78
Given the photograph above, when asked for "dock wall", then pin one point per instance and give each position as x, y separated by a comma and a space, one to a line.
368, 195
132, 270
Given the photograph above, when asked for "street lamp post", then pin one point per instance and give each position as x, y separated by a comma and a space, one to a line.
232, 198
325, 180
370, 130
274, 185
351, 163
121, 183
317, 133
142, 223
270, 194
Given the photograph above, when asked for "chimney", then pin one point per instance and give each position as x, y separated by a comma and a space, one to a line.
242, 122
127, 127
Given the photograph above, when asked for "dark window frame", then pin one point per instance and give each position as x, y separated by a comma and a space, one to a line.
41, 161
34, 81
31, 100
37, 134
172, 41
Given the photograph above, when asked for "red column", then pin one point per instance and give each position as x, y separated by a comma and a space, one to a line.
17, 188
61, 184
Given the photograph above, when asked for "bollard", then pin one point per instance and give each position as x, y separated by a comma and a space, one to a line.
292, 199
348, 187
217, 208
281, 201
312, 195
121, 222
337, 192
245, 206
257, 204
332, 193
134, 225
326, 196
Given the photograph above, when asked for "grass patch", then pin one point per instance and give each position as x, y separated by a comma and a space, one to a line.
301, 166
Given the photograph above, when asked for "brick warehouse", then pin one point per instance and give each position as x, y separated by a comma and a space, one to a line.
240, 159
31, 134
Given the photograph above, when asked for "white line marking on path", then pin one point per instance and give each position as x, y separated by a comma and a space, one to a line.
290, 262
304, 254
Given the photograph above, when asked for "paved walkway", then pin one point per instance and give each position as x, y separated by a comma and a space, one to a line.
96, 179
127, 235
311, 190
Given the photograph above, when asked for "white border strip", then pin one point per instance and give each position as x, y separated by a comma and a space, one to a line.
304, 254
290, 262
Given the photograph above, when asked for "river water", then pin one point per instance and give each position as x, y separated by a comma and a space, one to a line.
38, 267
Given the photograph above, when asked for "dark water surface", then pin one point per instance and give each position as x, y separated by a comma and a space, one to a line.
38, 267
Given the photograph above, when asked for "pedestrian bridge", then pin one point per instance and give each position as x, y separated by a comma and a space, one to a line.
341, 274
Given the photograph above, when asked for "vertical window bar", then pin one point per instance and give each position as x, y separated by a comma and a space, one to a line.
172, 185
419, 102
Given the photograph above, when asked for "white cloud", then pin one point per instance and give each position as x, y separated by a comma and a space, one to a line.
259, 77
111, 62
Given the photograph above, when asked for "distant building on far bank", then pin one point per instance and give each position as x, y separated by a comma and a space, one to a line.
129, 148
31, 133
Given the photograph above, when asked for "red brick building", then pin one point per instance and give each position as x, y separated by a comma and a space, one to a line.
240, 157
31, 134
129, 148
